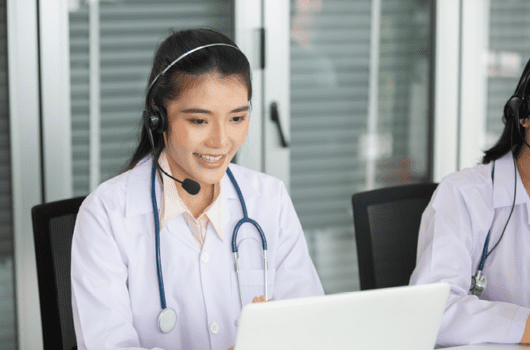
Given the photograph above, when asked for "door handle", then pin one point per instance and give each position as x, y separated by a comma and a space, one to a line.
275, 117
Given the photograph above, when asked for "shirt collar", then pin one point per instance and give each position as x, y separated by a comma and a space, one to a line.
503, 184
138, 192
172, 205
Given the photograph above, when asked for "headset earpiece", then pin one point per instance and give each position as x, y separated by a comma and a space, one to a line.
515, 103
158, 119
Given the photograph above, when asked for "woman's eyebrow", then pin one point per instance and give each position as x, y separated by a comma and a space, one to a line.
205, 111
240, 109
196, 110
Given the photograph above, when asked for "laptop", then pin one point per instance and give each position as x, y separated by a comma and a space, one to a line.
391, 318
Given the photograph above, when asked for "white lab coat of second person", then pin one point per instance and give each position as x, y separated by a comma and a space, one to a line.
115, 292
464, 208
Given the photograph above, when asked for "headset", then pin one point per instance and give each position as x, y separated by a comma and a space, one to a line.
517, 108
156, 121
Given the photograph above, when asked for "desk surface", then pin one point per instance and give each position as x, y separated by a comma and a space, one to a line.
491, 347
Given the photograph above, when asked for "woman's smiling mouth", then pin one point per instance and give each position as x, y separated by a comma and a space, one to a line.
207, 157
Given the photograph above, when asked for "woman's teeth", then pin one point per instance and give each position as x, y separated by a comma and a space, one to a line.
207, 158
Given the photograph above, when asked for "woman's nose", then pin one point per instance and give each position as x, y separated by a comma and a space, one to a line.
218, 138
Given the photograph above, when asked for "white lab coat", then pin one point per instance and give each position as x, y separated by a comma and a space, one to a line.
115, 293
454, 226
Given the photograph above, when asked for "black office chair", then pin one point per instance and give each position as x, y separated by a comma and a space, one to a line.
386, 223
53, 227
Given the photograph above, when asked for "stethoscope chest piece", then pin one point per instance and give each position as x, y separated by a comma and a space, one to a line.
478, 283
167, 320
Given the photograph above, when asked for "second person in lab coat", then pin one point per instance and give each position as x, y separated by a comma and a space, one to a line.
488, 199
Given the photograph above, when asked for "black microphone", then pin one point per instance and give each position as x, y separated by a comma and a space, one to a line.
189, 185
192, 187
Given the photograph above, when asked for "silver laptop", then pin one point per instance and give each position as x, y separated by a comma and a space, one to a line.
391, 318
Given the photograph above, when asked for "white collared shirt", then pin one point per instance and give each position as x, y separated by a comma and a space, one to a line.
173, 206
454, 226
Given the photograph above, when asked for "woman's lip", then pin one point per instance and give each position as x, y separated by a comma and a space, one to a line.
210, 155
210, 164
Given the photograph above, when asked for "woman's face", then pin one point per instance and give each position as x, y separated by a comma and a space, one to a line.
207, 124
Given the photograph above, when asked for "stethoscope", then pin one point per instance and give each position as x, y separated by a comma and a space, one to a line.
479, 282
168, 317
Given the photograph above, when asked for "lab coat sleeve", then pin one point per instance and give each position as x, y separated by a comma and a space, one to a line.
100, 299
296, 276
445, 245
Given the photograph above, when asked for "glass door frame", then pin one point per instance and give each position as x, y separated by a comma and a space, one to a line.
24, 119
460, 85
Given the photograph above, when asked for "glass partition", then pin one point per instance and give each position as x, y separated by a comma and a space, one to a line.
359, 115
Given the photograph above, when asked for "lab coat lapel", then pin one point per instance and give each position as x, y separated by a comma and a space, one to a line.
245, 185
503, 189
139, 202
178, 228
503, 185
138, 197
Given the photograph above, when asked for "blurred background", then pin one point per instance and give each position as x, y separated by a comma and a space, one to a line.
369, 93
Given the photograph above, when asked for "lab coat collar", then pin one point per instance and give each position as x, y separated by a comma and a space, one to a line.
504, 185
245, 185
138, 199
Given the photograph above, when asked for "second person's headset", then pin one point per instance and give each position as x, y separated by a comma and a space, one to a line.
517, 108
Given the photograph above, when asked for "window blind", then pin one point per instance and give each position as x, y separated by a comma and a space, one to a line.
509, 38
129, 32
329, 107
7, 296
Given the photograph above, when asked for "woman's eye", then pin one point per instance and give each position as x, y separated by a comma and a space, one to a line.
198, 121
238, 119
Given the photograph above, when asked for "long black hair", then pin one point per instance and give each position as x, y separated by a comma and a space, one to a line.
222, 60
512, 138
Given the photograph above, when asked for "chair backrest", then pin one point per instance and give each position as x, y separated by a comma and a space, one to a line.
386, 223
53, 228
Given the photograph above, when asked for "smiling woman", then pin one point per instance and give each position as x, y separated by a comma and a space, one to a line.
180, 183
208, 124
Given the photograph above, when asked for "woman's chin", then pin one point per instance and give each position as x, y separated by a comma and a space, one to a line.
210, 176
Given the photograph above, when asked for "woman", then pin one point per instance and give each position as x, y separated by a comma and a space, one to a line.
195, 120
475, 235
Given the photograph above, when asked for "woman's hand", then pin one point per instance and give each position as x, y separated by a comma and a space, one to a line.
232, 348
260, 299
526, 334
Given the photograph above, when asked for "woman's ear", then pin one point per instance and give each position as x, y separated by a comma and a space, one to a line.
524, 122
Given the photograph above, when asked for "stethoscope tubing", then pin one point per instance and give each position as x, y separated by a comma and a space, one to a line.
479, 277
484, 252
245, 216
245, 219
157, 241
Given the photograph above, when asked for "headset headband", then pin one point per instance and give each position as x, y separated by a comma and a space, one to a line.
178, 59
